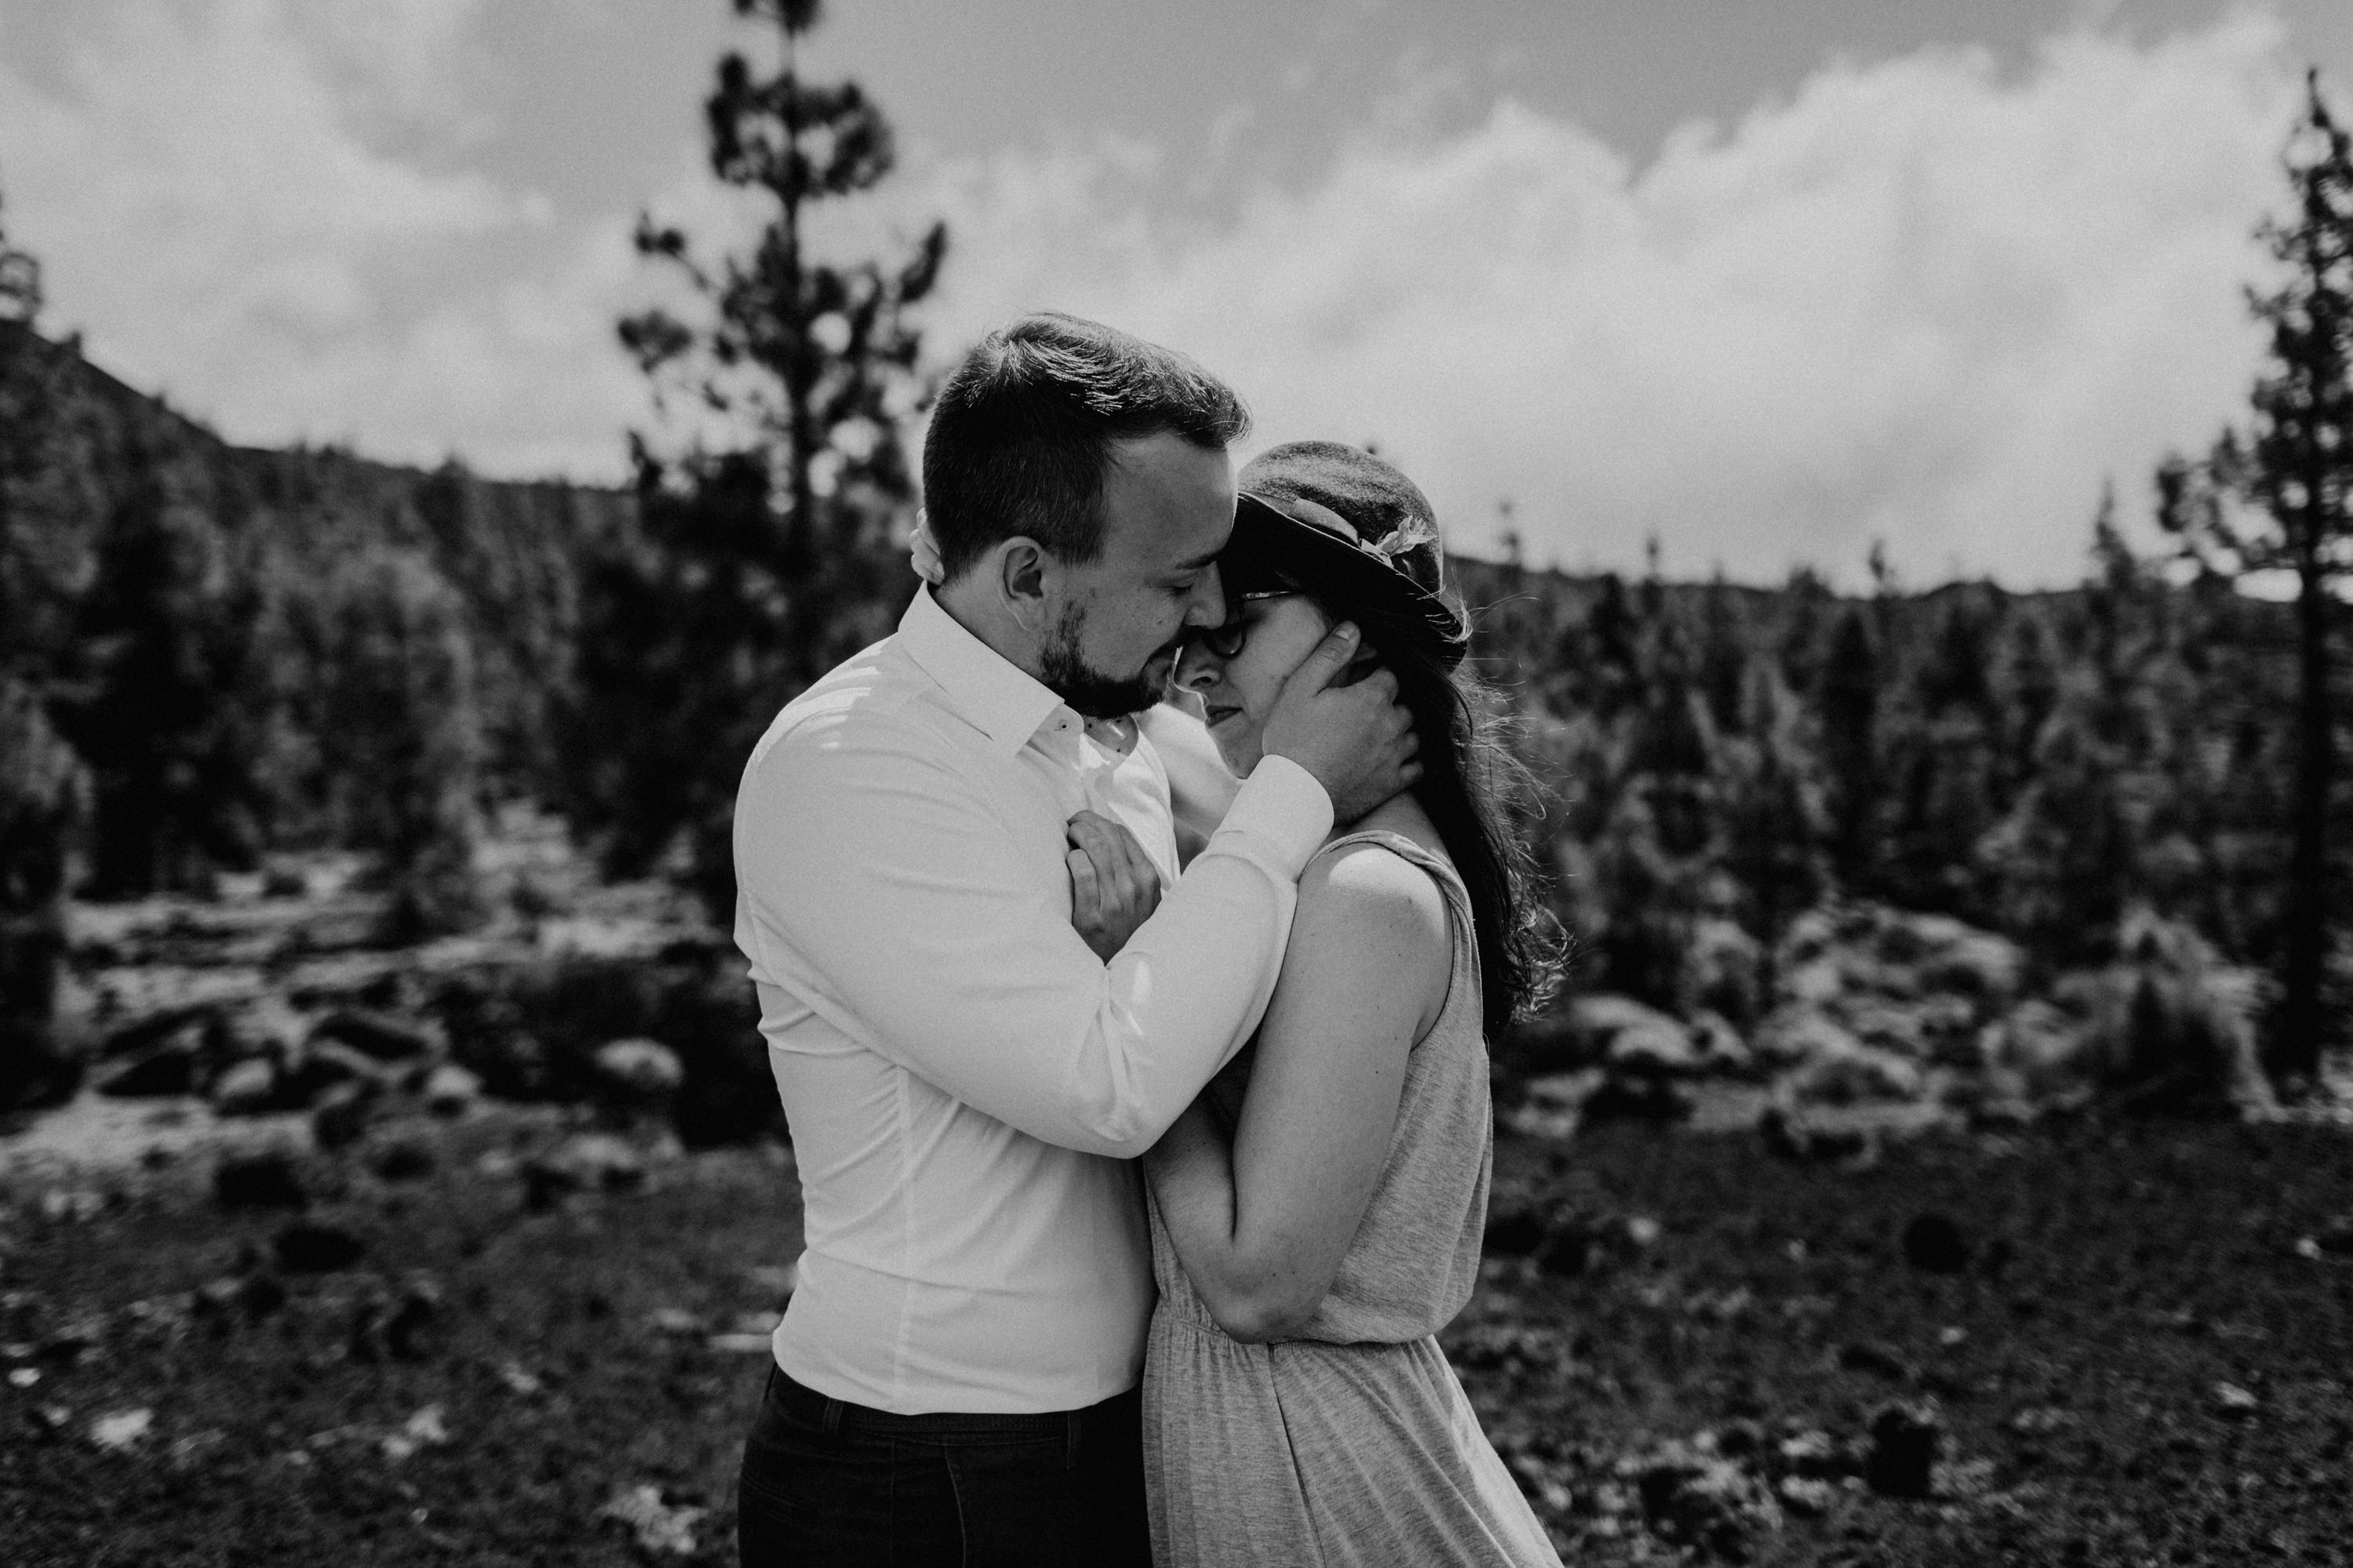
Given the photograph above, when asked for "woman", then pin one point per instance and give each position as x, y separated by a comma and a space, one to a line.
1317, 1214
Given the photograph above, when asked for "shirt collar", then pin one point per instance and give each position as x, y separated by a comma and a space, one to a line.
980, 684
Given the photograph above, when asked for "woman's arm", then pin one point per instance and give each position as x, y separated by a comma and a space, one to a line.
1261, 1224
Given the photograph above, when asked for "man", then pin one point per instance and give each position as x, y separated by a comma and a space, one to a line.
965, 1077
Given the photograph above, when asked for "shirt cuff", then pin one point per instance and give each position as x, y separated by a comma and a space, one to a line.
1283, 809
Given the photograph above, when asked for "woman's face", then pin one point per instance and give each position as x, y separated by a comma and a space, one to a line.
1239, 690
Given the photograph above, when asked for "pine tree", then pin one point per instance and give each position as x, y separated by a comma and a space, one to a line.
1846, 698
43, 784
2296, 464
404, 737
766, 561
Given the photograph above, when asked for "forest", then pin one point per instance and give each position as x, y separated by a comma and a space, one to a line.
1934, 1151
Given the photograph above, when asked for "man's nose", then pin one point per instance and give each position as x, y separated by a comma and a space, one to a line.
1207, 609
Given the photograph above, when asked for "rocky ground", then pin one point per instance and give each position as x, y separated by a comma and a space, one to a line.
1884, 1249
513, 1335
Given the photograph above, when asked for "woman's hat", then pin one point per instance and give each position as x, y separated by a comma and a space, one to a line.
1323, 518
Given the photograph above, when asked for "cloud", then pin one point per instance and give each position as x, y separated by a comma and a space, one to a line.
253, 205
1920, 299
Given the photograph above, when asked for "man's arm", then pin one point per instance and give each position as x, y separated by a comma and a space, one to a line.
886, 896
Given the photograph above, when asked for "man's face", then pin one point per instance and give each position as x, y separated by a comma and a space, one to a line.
1119, 620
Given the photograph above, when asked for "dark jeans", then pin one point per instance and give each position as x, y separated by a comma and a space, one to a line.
827, 1482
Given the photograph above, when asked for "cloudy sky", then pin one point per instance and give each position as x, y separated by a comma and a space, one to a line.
1766, 278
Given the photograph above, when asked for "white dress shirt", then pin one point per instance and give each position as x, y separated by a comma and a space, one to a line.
963, 1078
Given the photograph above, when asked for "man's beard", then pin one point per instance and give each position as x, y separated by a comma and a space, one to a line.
1088, 690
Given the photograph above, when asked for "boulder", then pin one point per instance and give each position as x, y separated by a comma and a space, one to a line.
1551, 1106
1906, 1438
1798, 1033
2039, 1051
639, 1072
268, 1026
166, 1066
1659, 1047
451, 1090
1701, 1500
246, 1088
1858, 1075
1725, 969
324, 1065
340, 1119
383, 1035
1600, 1019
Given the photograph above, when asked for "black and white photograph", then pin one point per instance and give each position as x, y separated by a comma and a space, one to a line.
971, 784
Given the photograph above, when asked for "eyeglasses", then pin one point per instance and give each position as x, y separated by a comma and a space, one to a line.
1226, 641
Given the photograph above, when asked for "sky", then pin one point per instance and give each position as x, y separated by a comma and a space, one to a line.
1764, 281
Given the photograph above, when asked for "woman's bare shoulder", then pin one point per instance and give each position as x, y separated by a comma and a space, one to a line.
1369, 916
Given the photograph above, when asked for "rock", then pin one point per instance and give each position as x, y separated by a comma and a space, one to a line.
1807, 1496
323, 1065
307, 1246
2039, 1421
585, 1162
136, 1036
1799, 1032
1552, 1106
340, 1119
1934, 1244
1663, 1048
1813, 1453
168, 1065
259, 1181
2045, 1050
1723, 1052
639, 1072
1879, 1359
1976, 964
1853, 1076
1514, 1229
660, 1527
405, 1160
1699, 1499
1904, 1440
2234, 1402
381, 1035
424, 1429
1724, 968
451, 1090
245, 1088
266, 1026
394, 1324
1795, 1136
120, 1430
1640, 1095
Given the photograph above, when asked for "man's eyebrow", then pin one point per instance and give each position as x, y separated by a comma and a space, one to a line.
1196, 563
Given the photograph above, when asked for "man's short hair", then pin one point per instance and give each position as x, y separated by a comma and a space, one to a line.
1022, 436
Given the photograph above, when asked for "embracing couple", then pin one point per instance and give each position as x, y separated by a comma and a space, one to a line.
1144, 1137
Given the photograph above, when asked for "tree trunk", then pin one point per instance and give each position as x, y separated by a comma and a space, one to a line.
2295, 1044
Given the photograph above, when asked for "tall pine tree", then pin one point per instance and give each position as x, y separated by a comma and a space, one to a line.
2296, 464
770, 558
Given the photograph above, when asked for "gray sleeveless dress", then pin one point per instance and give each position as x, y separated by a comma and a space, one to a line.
1352, 1443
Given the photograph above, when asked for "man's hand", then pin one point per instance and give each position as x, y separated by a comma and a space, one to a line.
1357, 739
1114, 886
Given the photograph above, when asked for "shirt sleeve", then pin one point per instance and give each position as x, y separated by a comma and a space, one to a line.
879, 887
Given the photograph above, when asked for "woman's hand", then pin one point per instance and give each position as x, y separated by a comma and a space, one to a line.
1114, 886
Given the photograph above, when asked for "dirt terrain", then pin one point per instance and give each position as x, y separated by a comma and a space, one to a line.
503, 1338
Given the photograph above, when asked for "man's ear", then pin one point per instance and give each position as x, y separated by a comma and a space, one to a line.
1022, 565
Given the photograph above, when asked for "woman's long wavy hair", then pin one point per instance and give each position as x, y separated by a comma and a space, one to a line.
1470, 783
